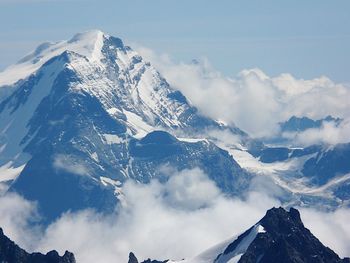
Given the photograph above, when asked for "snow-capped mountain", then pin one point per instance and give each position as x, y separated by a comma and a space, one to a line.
279, 236
84, 115
80, 117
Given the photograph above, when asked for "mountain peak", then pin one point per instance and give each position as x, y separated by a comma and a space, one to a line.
278, 220
285, 239
279, 236
88, 44
90, 35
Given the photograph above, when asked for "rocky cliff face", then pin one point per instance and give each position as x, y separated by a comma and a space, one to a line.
12, 253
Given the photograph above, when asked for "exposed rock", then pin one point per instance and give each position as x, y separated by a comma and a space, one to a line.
132, 258
12, 253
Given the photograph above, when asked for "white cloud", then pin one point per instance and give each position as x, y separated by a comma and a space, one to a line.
332, 228
253, 100
68, 164
177, 219
190, 189
17, 215
156, 224
171, 220
329, 133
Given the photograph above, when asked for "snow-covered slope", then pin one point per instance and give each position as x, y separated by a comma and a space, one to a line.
216, 254
87, 44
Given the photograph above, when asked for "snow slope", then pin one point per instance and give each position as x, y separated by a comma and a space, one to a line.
216, 253
87, 44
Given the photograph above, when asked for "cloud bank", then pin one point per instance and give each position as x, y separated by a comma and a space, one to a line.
331, 228
180, 218
252, 100
329, 133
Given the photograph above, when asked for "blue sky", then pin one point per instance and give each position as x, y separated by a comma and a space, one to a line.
306, 38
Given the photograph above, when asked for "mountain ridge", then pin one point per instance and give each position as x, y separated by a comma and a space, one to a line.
280, 236
12, 253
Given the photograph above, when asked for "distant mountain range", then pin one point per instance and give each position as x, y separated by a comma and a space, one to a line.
298, 124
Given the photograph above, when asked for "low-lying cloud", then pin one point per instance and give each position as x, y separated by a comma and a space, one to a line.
177, 219
329, 133
331, 228
252, 100
69, 164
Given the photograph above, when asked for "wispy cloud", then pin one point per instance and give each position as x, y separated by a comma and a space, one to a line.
69, 164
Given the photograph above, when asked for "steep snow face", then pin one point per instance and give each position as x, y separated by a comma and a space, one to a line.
19, 108
236, 249
229, 251
87, 44
8, 172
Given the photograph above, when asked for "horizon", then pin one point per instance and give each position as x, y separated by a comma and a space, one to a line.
245, 34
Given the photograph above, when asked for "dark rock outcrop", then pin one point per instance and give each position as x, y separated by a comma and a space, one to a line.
12, 253
154, 261
286, 240
133, 259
